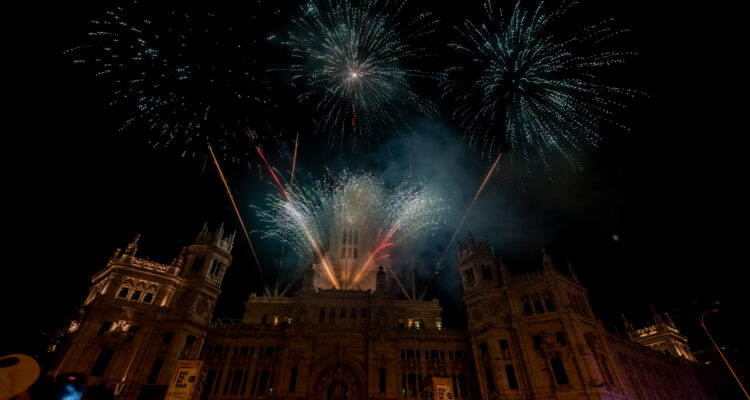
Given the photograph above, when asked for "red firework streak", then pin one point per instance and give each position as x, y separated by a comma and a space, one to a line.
322, 259
383, 244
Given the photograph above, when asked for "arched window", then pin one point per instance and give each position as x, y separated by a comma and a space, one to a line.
123, 293
136, 295
149, 297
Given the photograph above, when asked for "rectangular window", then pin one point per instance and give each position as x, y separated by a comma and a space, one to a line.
490, 379
218, 381
102, 362
255, 383
210, 380
155, 371
462, 385
263, 384
382, 380
483, 348
511, 373
537, 341
293, 380
322, 315
244, 382
271, 382
229, 380
197, 263
236, 381
559, 370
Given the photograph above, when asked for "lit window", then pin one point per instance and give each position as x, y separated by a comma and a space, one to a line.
275, 320
410, 323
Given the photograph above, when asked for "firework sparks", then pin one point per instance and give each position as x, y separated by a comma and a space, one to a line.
352, 56
369, 216
184, 75
525, 89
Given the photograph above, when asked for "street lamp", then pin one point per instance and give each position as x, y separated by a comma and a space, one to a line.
719, 350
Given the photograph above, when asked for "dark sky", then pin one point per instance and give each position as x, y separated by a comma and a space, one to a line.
667, 188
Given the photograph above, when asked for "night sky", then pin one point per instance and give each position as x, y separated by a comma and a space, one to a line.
656, 216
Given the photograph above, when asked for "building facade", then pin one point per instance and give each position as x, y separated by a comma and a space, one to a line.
530, 336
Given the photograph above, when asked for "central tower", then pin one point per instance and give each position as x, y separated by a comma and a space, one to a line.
350, 256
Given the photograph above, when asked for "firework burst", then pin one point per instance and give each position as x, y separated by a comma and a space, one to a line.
351, 56
186, 76
313, 217
523, 87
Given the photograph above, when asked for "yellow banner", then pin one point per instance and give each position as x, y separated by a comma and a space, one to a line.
187, 381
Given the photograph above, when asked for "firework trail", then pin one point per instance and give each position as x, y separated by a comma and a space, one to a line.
359, 202
239, 217
311, 240
460, 224
352, 58
521, 87
184, 75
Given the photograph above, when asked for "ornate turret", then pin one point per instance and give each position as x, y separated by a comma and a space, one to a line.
547, 262
380, 280
132, 247
658, 320
482, 248
663, 337
216, 239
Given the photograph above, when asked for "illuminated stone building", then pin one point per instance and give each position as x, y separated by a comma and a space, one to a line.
530, 336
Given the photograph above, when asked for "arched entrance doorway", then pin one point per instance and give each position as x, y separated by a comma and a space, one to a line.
339, 380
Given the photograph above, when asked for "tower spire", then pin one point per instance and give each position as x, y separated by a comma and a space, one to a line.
573, 273
547, 261
133, 246
628, 327
657, 317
